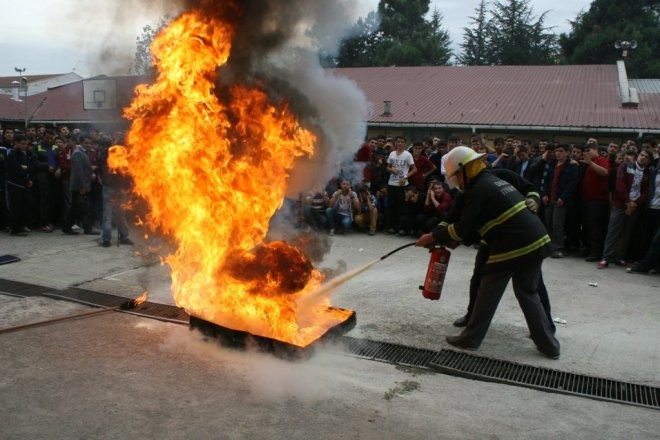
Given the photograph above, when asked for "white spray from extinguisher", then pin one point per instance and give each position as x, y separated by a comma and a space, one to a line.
328, 288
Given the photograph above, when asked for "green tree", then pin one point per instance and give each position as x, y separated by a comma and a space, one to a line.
594, 32
358, 50
143, 63
475, 42
403, 37
515, 36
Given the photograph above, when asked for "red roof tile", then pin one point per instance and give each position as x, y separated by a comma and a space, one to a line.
539, 96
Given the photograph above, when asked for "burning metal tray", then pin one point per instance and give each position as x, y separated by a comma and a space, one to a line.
242, 340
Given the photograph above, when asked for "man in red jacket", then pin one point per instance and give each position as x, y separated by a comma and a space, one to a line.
594, 192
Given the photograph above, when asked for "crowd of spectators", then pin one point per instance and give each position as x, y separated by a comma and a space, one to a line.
598, 202
60, 178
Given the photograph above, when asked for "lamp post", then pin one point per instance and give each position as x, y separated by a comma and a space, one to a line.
625, 45
23, 83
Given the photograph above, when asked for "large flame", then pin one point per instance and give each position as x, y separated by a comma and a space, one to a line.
212, 163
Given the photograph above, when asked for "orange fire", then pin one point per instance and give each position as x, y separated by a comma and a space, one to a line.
142, 298
212, 163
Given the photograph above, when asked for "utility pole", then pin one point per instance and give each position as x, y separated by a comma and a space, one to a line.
23, 83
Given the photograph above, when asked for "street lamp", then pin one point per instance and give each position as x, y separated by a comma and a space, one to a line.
23, 83
625, 45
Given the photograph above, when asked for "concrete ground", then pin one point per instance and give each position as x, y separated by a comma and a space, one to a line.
119, 376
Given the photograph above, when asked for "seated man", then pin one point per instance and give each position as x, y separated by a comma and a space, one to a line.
437, 203
314, 205
413, 218
368, 210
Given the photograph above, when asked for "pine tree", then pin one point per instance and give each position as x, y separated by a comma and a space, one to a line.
403, 37
358, 50
516, 37
475, 44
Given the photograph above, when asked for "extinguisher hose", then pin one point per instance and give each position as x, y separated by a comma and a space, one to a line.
397, 250
327, 289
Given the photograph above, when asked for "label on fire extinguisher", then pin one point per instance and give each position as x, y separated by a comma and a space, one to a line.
435, 276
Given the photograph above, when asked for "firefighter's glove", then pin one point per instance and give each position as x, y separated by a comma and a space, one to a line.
532, 204
425, 240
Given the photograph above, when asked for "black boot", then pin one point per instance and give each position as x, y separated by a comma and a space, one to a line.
462, 321
458, 342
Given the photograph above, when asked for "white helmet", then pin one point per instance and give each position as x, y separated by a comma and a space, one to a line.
456, 160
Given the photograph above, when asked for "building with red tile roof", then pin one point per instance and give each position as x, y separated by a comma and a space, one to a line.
96, 102
556, 102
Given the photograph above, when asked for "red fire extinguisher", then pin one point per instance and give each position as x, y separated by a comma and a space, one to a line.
435, 274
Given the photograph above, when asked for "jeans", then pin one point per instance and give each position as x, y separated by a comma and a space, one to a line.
315, 218
594, 225
555, 217
334, 217
112, 201
619, 229
395, 198
652, 258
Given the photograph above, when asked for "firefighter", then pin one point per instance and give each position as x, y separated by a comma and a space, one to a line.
533, 201
494, 211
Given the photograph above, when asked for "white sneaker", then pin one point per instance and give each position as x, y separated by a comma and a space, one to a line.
332, 232
76, 228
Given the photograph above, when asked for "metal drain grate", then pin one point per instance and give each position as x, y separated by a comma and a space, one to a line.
162, 312
89, 297
16, 288
92, 298
477, 367
450, 362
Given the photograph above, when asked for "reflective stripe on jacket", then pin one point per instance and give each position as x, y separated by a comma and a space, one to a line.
495, 210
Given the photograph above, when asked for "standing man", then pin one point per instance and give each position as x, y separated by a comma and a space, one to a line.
423, 165
627, 201
18, 184
400, 165
115, 196
558, 192
80, 186
594, 191
496, 212
46, 174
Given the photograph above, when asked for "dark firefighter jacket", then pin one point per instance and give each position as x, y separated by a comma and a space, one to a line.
526, 188
495, 211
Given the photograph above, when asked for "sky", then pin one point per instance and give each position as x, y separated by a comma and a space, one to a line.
98, 37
